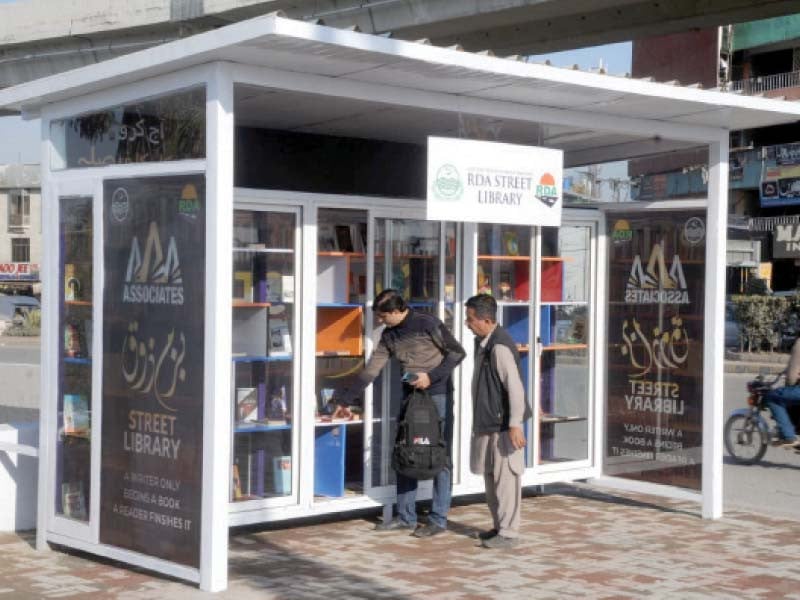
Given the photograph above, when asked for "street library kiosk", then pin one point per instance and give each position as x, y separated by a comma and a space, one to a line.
221, 210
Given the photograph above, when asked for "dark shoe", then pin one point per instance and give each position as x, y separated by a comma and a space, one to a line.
430, 530
785, 442
394, 525
485, 535
499, 542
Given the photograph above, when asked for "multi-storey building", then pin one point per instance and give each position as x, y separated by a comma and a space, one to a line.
20, 229
760, 57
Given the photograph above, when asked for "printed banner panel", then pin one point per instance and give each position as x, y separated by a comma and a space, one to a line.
655, 348
489, 182
153, 340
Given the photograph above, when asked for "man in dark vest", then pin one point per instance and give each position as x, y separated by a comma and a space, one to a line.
499, 410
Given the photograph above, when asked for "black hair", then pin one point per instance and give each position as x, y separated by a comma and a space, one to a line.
389, 300
484, 305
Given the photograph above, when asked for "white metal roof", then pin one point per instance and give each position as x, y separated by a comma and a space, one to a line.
577, 111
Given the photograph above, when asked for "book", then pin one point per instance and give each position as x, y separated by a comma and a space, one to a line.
511, 243
72, 285
243, 286
282, 474
327, 404
73, 344
287, 288
343, 239
326, 241
277, 405
280, 337
237, 483
449, 287
246, 404
73, 501
244, 229
274, 284
561, 331
76, 415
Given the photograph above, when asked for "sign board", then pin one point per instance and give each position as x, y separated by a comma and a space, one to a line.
786, 241
153, 341
656, 288
19, 272
780, 186
490, 182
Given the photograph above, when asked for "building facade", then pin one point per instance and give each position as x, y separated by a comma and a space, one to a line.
20, 229
755, 58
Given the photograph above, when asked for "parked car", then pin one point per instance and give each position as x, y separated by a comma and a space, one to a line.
11, 306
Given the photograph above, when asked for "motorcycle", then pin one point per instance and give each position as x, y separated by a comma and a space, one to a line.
747, 432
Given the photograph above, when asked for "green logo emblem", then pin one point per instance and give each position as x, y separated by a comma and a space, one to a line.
447, 185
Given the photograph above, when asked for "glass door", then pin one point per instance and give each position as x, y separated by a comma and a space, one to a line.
264, 337
339, 432
564, 368
419, 259
74, 484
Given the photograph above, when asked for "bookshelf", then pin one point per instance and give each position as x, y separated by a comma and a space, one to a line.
73, 445
341, 299
563, 335
263, 343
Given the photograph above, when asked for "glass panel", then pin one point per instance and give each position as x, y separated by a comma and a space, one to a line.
564, 365
341, 294
166, 128
504, 262
73, 446
451, 280
407, 258
264, 336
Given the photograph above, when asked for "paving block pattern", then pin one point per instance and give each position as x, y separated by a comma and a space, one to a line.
577, 541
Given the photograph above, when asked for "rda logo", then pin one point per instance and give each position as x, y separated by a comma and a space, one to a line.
656, 285
153, 278
546, 190
189, 204
622, 232
447, 185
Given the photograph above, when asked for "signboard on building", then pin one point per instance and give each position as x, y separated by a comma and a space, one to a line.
786, 241
655, 352
780, 186
490, 182
153, 340
19, 272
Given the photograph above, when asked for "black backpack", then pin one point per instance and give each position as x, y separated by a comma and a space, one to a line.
420, 451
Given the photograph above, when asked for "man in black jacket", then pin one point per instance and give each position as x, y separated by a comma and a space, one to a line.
428, 353
499, 410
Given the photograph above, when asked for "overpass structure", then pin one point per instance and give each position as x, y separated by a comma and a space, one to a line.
41, 37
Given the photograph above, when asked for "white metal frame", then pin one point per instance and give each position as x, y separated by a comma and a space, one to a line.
158, 71
212, 574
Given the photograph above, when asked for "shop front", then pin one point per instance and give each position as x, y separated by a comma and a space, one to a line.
223, 209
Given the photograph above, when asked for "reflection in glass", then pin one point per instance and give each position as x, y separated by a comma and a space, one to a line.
263, 339
73, 445
165, 128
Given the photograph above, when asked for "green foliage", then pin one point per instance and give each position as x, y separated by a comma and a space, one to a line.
758, 317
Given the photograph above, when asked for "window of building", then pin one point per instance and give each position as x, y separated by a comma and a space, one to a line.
19, 209
20, 250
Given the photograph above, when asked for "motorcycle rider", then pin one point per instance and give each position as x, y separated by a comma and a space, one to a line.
780, 398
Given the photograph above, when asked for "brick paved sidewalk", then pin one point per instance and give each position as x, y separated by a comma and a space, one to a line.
577, 542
